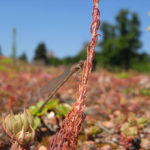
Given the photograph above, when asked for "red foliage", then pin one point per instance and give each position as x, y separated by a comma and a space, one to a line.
66, 138
126, 141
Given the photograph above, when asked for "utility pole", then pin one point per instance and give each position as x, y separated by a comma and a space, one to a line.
1, 51
14, 44
148, 28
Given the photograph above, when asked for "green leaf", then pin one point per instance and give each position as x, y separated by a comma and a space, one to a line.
36, 122
39, 104
63, 109
52, 104
44, 111
33, 110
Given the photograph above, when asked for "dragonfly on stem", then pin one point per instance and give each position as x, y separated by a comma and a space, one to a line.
52, 86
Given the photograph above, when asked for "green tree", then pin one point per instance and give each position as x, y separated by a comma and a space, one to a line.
23, 57
68, 60
108, 31
54, 61
121, 41
129, 36
41, 53
107, 45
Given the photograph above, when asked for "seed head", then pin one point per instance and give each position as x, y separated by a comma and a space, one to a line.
20, 127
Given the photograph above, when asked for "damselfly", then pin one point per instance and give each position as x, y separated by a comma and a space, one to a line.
52, 86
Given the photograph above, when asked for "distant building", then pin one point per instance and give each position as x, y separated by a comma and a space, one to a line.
49, 54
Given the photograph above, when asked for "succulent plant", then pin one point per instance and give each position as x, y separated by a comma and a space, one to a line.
142, 122
20, 127
132, 119
93, 130
128, 130
121, 118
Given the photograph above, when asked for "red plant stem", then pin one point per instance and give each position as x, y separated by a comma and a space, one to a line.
16, 146
90, 51
66, 138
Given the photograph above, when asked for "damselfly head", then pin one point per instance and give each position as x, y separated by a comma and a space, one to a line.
78, 66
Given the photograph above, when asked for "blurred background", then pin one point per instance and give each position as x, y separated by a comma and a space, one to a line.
58, 32
39, 39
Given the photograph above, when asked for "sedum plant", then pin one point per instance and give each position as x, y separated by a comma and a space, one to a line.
130, 129
60, 110
20, 128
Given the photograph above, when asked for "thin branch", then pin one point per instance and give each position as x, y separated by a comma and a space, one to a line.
66, 138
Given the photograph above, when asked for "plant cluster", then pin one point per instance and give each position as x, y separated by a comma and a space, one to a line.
130, 127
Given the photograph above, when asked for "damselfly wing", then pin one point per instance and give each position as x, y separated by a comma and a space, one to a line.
52, 86
56, 83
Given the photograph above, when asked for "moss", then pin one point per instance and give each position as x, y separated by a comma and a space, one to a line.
123, 75
5, 61
3, 69
142, 122
94, 130
145, 92
128, 130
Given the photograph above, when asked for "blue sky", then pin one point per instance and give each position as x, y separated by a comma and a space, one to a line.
63, 25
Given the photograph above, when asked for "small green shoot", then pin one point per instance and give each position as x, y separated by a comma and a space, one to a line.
62, 110
53, 105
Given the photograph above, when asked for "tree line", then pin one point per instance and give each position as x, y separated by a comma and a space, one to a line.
118, 48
